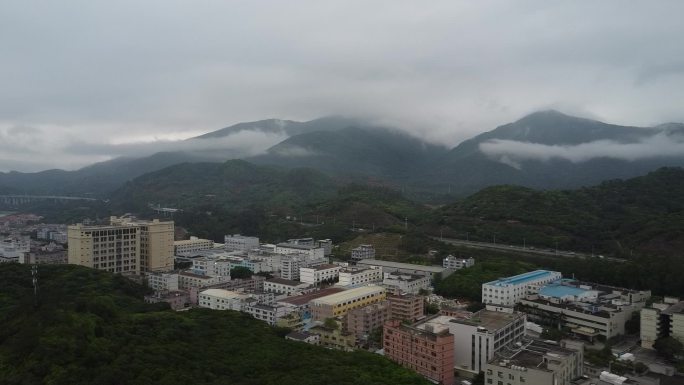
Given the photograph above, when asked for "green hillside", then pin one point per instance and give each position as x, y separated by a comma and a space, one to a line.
643, 214
233, 184
273, 203
92, 327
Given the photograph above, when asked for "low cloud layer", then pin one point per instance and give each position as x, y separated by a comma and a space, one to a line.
513, 152
293, 151
95, 73
240, 144
28, 152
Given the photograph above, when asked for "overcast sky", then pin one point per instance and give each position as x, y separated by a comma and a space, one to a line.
104, 73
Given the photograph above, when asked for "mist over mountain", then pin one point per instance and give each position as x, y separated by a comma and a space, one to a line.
355, 151
285, 127
100, 179
545, 150
550, 150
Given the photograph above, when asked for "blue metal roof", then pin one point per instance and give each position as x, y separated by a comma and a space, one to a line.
522, 278
560, 291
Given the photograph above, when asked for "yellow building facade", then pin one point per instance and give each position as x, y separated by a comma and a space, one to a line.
338, 304
124, 246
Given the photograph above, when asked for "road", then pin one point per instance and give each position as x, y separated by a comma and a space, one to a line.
520, 249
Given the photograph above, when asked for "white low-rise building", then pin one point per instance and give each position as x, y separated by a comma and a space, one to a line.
405, 268
303, 336
290, 265
192, 245
285, 286
187, 280
363, 252
406, 283
359, 276
272, 261
510, 291
159, 281
315, 275
587, 309
662, 319
327, 246
540, 363
219, 299
222, 266
454, 263
311, 251
237, 242
267, 313
15, 248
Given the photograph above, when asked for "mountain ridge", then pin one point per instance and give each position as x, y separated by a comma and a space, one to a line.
345, 148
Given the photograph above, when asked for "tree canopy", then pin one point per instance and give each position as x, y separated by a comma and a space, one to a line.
92, 327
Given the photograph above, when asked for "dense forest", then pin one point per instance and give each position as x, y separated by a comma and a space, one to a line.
623, 218
92, 327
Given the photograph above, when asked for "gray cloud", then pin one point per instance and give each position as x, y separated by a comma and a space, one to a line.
513, 152
240, 144
30, 149
293, 151
110, 73
20, 139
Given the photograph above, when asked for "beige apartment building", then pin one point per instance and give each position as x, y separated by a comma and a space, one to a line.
126, 245
156, 242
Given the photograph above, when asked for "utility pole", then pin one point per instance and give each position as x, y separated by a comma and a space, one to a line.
34, 275
405, 223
